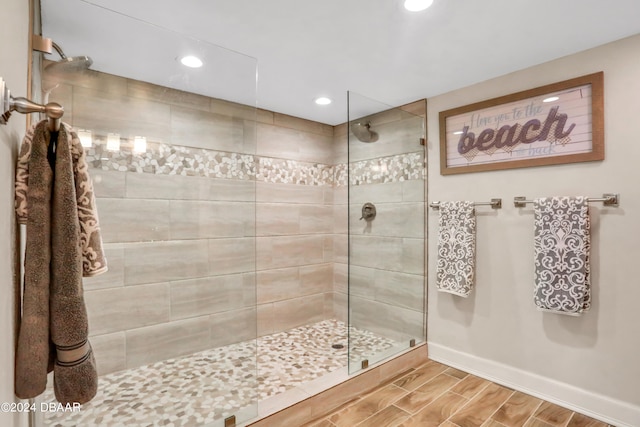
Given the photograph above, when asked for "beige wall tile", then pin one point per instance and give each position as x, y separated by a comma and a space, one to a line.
232, 109
340, 307
233, 326
230, 189
278, 284
266, 317
144, 90
285, 143
291, 122
194, 128
104, 112
89, 79
296, 312
265, 116
277, 219
114, 277
207, 295
413, 258
289, 193
341, 196
228, 256
328, 306
340, 277
120, 309
204, 219
109, 351
289, 251
108, 183
414, 190
361, 281
417, 108
389, 192
249, 287
165, 261
340, 219
316, 219
160, 342
176, 187
377, 252
133, 220
341, 248
316, 278
329, 248
171, 187
400, 289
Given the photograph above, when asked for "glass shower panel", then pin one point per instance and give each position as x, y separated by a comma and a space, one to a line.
386, 192
171, 151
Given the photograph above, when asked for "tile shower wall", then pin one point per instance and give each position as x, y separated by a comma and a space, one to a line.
294, 222
193, 222
387, 254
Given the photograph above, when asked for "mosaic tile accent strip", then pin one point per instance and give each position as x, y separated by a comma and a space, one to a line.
402, 167
210, 385
294, 172
164, 159
340, 175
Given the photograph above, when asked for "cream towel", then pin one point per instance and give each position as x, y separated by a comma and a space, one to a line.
562, 243
456, 248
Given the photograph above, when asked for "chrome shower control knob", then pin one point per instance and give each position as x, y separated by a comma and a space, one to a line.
368, 212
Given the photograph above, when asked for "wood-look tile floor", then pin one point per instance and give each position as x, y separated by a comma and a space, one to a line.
437, 395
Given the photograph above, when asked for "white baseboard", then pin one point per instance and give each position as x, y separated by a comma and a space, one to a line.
598, 406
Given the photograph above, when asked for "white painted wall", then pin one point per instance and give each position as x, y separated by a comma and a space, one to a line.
13, 69
589, 363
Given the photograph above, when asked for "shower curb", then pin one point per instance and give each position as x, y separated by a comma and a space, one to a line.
315, 407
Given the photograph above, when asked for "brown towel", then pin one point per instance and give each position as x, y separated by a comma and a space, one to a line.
54, 327
93, 259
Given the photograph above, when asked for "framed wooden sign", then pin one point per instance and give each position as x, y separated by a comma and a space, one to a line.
549, 125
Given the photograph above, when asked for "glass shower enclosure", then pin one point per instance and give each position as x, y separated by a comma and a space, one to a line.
190, 223
386, 237
173, 323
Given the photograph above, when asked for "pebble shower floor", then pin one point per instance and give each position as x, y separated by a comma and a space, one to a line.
206, 386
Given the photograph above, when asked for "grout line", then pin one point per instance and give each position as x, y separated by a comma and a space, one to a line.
500, 406
533, 414
468, 402
569, 419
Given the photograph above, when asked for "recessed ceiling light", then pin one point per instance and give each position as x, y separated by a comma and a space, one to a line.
191, 61
551, 99
417, 5
323, 100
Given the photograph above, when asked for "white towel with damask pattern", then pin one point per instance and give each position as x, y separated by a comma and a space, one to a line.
456, 248
562, 243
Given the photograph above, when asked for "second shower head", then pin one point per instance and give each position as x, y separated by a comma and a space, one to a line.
362, 131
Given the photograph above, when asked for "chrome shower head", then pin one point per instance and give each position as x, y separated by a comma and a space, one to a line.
68, 64
363, 132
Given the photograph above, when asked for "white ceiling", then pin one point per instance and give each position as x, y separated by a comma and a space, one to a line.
303, 49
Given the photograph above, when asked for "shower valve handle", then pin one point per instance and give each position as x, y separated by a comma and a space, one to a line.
368, 212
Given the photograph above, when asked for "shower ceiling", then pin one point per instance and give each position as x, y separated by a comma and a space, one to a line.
307, 49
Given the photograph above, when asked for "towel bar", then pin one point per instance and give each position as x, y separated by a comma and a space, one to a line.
494, 203
607, 199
